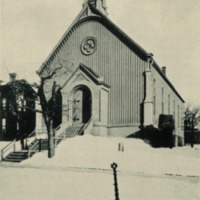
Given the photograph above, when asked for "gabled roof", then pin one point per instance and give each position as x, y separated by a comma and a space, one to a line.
135, 47
98, 16
156, 66
121, 34
89, 73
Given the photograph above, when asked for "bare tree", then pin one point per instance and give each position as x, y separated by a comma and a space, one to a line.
48, 106
46, 93
192, 119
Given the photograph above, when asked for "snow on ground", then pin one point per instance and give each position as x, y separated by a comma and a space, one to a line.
97, 152
141, 174
36, 184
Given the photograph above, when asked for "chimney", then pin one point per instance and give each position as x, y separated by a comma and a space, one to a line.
12, 77
99, 4
164, 70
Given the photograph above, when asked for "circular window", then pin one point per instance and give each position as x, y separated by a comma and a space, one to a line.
89, 45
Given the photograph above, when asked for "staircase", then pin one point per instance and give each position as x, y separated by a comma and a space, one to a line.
17, 156
39, 145
74, 130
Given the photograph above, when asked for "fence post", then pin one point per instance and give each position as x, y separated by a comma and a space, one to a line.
114, 167
14, 146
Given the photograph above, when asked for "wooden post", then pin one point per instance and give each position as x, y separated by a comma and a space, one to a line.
114, 167
14, 146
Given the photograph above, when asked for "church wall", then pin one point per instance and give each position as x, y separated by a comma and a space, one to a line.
113, 60
167, 102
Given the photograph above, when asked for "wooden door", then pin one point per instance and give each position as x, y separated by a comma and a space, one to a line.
78, 107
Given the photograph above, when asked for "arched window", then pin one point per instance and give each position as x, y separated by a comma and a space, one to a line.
4, 103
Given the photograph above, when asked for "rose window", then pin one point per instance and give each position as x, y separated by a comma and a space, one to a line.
88, 45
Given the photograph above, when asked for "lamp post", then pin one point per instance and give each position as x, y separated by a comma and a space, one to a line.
114, 167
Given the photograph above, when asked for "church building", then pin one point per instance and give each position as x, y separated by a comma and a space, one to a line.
108, 82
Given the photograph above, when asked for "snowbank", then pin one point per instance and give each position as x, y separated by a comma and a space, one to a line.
97, 152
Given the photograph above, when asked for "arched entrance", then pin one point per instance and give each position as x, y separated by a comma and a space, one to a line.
82, 105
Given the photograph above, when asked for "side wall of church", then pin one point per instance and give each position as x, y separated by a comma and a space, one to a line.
166, 101
114, 61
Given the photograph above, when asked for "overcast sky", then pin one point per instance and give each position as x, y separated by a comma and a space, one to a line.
170, 29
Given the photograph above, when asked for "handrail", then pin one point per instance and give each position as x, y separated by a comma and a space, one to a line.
57, 128
31, 134
7, 147
84, 127
30, 137
33, 147
60, 136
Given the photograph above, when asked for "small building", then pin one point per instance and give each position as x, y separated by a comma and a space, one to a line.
192, 136
10, 93
108, 79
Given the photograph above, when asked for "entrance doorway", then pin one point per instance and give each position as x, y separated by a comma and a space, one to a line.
82, 103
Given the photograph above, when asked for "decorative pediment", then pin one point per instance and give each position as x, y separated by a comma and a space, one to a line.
80, 77
83, 73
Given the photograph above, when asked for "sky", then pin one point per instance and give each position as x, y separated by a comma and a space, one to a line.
169, 29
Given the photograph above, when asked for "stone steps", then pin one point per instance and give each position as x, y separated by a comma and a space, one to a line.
41, 145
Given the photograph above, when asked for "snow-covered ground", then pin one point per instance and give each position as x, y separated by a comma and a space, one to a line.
40, 184
81, 170
97, 152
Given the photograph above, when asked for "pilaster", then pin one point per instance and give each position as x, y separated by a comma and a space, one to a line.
39, 121
148, 102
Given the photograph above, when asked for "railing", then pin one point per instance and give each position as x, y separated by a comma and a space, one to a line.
33, 147
81, 131
7, 147
61, 136
38, 143
57, 128
30, 138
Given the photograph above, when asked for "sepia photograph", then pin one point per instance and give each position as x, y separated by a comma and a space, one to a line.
100, 99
